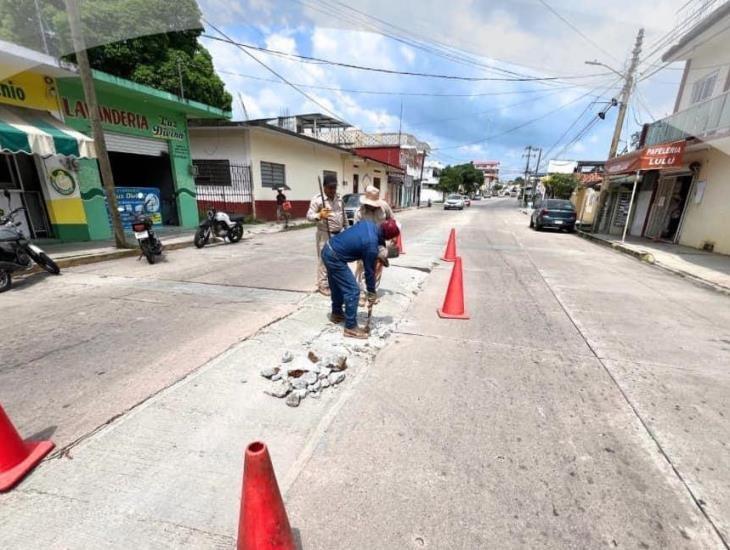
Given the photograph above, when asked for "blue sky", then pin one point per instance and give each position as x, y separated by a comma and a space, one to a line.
482, 120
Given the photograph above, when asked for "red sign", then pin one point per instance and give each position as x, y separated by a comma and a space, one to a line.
656, 157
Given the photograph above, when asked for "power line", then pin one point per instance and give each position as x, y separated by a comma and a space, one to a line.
393, 93
576, 29
246, 47
294, 86
519, 126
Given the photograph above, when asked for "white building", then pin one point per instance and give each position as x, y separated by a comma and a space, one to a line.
431, 175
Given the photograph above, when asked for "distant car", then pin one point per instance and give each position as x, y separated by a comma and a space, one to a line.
513, 193
478, 197
557, 213
352, 203
467, 201
454, 202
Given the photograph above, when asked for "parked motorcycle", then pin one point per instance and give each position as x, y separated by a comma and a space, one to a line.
218, 224
149, 242
17, 252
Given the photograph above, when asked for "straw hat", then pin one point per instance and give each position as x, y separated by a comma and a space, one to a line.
372, 197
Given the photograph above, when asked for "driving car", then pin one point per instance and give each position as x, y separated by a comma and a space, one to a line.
467, 201
352, 203
454, 202
557, 213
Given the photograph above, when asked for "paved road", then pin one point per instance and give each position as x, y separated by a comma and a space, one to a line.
583, 405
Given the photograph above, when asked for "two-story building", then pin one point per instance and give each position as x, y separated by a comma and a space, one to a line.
680, 175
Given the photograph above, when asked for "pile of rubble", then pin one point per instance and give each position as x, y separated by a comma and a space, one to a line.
297, 378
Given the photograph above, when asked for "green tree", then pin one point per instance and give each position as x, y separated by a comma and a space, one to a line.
461, 178
560, 186
152, 42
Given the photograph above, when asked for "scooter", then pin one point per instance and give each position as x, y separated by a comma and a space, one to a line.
149, 243
17, 252
220, 225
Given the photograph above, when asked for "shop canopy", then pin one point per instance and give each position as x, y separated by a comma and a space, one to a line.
36, 132
656, 157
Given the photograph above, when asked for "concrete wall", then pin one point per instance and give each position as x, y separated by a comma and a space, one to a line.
704, 61
709, 220
366, 170
220, 144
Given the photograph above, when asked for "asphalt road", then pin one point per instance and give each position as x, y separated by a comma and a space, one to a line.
583, 405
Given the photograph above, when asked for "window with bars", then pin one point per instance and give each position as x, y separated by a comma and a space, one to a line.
212, 172
273, 175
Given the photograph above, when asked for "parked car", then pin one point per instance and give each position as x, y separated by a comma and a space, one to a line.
352, 203
467, 201
454, 202
557, 213
478, 197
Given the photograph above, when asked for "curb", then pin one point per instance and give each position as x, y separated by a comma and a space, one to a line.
649, 259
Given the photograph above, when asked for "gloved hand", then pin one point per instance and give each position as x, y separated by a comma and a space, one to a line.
324, 213
372, 298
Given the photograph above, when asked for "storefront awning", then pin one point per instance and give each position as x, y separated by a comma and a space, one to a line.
37, 132
657, 157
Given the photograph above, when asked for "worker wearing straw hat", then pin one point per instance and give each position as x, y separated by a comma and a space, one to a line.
376, 210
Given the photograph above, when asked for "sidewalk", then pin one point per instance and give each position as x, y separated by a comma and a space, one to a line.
81, 253
705, 268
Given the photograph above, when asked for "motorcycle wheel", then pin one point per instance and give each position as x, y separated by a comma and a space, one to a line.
45, 262
5, 281
201, 238
235, 234
148, 252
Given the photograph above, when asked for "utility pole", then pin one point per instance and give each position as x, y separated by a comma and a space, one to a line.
243, 105
537, 169
102, 155
529, 149
626, 93
44, 40
180, 77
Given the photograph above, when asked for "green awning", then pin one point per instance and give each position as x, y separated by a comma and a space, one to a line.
37, 132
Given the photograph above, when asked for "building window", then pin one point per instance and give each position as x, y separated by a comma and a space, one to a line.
704, 88
376, 182
212, 172
273, 175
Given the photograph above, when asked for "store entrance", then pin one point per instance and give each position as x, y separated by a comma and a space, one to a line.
133, 170
668, 207
21, 186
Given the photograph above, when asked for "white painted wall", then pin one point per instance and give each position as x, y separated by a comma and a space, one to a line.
705, 60
304, 161
709, 220
220, 144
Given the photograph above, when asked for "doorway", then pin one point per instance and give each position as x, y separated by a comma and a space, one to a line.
668, 207
20, 185
355, 183
134, 170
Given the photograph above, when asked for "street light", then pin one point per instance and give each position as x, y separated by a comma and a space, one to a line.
600, 64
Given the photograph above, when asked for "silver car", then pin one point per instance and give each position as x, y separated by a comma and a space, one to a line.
454, 202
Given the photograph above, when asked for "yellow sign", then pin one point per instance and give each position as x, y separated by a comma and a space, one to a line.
32, 90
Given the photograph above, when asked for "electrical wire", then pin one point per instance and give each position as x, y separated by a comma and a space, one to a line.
246, 47
392, 93
577, 30
294, 86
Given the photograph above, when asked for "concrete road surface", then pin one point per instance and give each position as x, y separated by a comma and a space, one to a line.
583, 405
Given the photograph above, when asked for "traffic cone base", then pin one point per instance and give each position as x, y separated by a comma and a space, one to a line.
450, 252
451, 315
36, 451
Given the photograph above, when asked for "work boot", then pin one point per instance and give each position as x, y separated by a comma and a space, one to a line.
336, 318
356, 332
325, 291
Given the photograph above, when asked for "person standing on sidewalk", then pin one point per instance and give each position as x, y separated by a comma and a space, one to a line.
282, 212
376, 210
364, 241
329, 214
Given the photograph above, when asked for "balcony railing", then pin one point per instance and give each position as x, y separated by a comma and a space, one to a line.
700, 120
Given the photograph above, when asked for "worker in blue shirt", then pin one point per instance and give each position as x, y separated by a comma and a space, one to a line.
363, 241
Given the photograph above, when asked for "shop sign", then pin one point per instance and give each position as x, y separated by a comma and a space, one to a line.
657, 157
61, 174
162, 128
139, 200
30, 90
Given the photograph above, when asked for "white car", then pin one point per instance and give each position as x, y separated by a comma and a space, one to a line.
454, 202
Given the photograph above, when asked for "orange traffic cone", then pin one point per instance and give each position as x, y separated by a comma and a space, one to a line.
399, 244
450, 254
263, 523
17, 457
453, 307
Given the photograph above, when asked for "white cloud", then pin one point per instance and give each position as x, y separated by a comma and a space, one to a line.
408, 54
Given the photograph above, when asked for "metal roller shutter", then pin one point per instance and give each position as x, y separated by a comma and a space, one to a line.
120, 143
